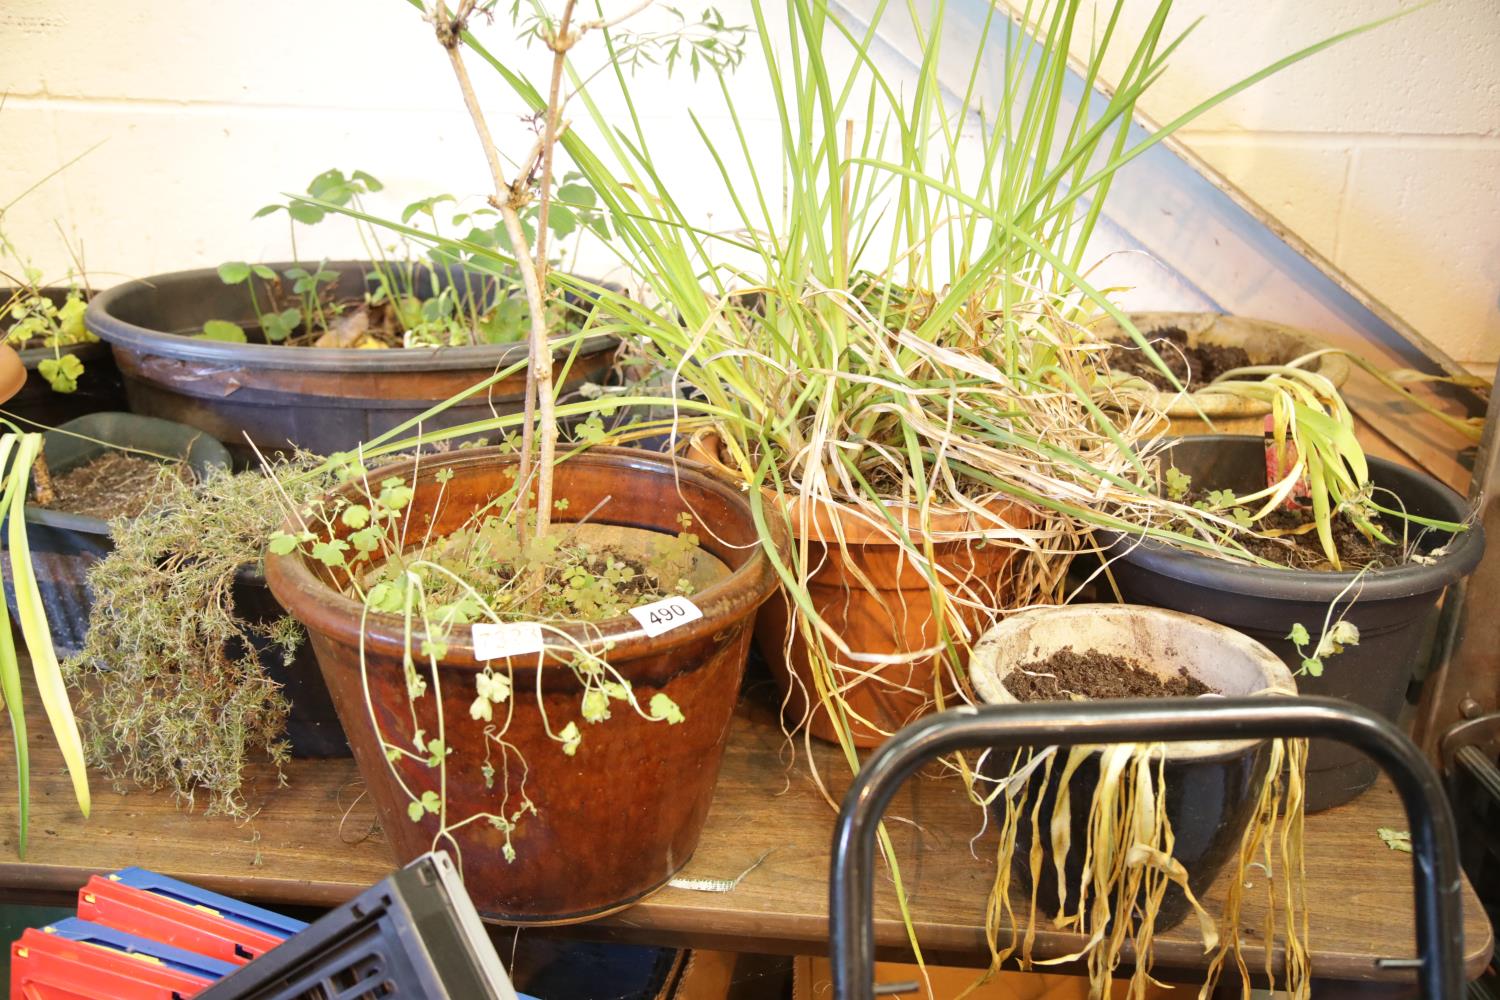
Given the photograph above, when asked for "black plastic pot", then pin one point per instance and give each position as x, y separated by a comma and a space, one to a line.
1394, 608
312, 724
320, 399
1210, 787
65, 546
99, 387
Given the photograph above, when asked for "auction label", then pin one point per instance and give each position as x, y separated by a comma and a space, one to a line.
494, 641
665, 615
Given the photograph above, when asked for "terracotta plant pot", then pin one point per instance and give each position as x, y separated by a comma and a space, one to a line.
322, 399
1267, 343
1393, 608
869, 591
1211, 787
619, 818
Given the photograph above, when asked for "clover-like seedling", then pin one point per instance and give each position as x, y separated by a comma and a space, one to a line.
1335, 638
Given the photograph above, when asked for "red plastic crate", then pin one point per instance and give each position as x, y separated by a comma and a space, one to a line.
48, 967
196, 928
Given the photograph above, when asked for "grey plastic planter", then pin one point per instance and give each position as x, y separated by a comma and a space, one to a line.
1394, 608
320, 399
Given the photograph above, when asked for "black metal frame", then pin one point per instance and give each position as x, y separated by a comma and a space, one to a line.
1433, 838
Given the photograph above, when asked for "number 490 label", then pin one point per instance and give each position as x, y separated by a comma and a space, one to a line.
667, 614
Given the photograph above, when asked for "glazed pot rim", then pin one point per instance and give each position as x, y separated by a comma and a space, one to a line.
1334, 367
1314, 586
989, 681
322, 608
124, 335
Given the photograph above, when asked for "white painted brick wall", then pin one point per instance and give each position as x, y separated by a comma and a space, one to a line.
1384, 152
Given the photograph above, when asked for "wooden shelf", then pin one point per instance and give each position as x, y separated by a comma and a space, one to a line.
314, 843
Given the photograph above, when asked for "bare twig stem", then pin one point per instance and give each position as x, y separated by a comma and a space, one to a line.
509, 198
559, 42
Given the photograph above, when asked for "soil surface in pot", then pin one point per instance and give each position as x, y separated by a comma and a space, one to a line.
1194, 367
112, 485
1070, 675
589, 572
1298, 546
366, 325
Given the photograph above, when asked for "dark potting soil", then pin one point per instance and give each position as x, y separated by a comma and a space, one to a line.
1069, 675
1295, 543
1305, 551
112, 485
1194, 367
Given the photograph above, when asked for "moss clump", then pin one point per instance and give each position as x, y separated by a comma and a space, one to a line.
171, 692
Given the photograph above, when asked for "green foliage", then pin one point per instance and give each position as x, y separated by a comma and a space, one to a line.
32, 320
234, 272
663, 707
279, 326
428, 803
1316, 451
1334, 640
170, 690
18, 453
485, 306
222, 330
61, 373
1178, 483
1225, 504
1396, 840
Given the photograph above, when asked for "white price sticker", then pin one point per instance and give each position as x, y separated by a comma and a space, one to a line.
493, 641
665, 615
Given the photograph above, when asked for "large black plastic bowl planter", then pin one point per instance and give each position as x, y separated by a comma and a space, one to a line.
319, 399
1393, 608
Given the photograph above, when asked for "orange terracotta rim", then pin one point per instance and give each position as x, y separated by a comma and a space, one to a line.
829, 521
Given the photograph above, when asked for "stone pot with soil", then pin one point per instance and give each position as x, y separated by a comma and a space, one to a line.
97, 388
618, 814
1394, 607
1211, 788
1199, 347
868, 590
92, 484
318, 398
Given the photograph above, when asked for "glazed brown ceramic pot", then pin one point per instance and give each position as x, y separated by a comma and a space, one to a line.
868, 590
617, 819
